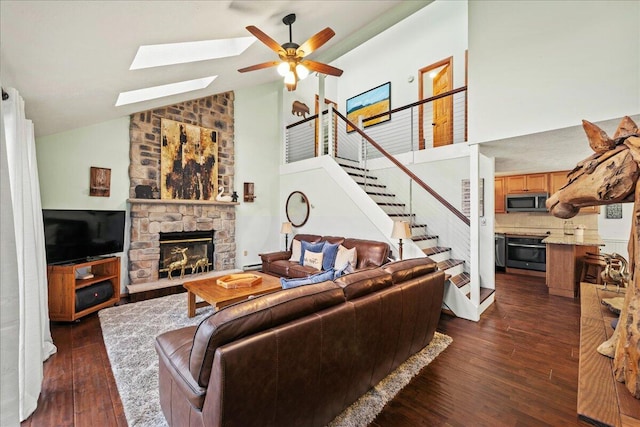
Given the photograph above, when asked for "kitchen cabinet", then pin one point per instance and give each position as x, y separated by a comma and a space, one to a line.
498, 188
531, 183
557, 180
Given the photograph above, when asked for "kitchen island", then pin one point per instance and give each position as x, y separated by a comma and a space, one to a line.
564, 255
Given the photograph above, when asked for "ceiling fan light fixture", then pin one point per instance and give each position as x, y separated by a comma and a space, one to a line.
283, 69
290, 78
302, 71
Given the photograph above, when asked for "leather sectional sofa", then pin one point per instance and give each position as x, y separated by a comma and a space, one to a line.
369, 254
300, 356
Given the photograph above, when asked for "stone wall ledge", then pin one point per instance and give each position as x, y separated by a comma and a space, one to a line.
181, 202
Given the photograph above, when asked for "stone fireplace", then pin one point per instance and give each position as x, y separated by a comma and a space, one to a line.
185, 252
151, 218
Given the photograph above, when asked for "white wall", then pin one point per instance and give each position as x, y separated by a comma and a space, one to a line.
435, 32
257, 154
64, 161
615, 232
541, 65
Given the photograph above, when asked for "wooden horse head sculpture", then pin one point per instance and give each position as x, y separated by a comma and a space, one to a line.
610, 175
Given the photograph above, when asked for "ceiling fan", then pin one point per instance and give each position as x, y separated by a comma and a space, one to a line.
292, 64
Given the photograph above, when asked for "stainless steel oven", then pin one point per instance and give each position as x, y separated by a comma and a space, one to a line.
527, 252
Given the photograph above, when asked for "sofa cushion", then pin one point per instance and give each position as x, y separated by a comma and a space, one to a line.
364, 282
313, 247
312, 259
329, 253
255, 315
346, 256
296, 250
371, 253
297, 271
174, 347
314, 278
407, 269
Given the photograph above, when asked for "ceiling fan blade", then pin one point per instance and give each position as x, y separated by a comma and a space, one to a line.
259, 66
316, 41
322, 68
271, 43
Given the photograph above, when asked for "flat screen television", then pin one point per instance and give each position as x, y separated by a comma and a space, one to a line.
78, 235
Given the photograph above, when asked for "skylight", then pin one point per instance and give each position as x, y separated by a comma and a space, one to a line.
154, 92
178, 53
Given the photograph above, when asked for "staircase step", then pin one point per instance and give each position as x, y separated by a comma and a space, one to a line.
360, 175
372, 193
485, 293
401, 215
346, 166
435, 250
400, 205
449, 263
461, 279
422, 237
368, 184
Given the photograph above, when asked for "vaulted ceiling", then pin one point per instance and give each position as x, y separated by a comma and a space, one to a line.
71, 59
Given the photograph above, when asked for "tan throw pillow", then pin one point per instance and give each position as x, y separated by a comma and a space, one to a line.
296, 250
313, 259
345, 256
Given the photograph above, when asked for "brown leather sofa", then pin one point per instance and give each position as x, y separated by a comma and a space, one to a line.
300, 356
370, 253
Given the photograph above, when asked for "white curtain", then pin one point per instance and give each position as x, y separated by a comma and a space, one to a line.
25, 313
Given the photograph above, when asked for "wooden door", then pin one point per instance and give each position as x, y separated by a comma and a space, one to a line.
442, 109
435, 79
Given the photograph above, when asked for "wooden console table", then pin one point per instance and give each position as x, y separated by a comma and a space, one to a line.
601, 399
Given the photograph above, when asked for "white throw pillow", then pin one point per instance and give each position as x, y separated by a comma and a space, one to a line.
345, 256
312, 259
296, 250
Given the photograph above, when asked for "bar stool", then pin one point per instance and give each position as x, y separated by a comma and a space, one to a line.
592, 267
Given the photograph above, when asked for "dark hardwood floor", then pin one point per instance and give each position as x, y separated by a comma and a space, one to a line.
517, 366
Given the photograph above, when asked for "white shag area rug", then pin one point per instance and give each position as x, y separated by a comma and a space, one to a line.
129, 333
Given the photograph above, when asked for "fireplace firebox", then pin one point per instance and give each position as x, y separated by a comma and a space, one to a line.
185, 251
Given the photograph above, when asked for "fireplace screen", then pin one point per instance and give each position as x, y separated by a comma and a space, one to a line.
185, 253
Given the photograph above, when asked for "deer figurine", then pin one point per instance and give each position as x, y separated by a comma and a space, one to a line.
178, 264
202, 264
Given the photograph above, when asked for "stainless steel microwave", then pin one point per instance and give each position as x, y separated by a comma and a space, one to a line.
526, 202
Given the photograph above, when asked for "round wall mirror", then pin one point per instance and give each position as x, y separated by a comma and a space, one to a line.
297, 208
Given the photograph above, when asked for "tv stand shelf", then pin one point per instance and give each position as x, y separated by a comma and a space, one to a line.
63, 286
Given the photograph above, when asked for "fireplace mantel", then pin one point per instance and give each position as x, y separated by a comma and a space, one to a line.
181, 202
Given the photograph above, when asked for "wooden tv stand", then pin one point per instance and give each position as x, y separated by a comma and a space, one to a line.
63, 285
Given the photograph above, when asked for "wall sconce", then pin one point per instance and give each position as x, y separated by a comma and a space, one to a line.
249, 195
286, 229
401, 230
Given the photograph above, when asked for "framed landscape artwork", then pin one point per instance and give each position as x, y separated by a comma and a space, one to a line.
189, 161
369, 104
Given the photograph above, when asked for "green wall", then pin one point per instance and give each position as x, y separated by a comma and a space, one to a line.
64, 161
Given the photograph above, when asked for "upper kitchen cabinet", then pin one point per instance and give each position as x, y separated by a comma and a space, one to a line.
557, 180
498, 187
532, 183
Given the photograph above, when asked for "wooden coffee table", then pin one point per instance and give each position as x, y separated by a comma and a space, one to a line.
218, 296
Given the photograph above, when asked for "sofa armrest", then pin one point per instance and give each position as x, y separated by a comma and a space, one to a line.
275, 256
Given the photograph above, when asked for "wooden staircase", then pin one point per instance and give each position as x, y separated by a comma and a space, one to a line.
429, 244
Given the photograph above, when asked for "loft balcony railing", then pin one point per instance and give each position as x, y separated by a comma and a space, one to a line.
404, 129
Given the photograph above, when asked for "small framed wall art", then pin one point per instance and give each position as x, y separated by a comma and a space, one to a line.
100, 182
614, 211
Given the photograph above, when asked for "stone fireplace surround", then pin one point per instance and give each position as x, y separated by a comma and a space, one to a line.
149, 217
